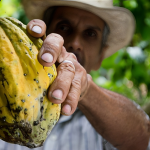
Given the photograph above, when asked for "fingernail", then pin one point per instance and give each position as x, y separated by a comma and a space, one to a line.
47, 57
57, 94
66, 109
37, 29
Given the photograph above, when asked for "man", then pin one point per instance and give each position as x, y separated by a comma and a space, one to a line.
80, 34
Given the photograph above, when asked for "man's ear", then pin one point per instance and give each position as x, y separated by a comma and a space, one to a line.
102, 56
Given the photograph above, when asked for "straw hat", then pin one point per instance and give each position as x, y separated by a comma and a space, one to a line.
120, 20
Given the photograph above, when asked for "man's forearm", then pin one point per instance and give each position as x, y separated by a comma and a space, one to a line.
116, 118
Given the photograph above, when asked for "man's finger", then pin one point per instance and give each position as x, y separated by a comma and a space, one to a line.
61, 86
51, 49
70, 104
36, 28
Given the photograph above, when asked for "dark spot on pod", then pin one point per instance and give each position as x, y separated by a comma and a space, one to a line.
31, 44
50, 75
44, 93
42, 108
24, 124
35, 123
19, 109
36, 80
2, 77
15, 95
4, 118
20, 40
39, 87
11, 104
21, 121
37, 72
20, 24
41, 118
35, 135
25, 74
50, 114
11, 52
15, 116
52, 103
29, 130
10, 96
35, 89
26, 53
30, 48
25, 111
23, 100
41, 99
42, 128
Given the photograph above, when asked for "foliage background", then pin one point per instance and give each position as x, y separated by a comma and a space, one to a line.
126, 72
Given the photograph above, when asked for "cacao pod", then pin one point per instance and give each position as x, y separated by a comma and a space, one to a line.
26, 115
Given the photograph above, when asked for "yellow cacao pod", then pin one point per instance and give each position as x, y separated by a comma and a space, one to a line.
26, 115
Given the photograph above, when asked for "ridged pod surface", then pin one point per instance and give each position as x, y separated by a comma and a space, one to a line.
26, 115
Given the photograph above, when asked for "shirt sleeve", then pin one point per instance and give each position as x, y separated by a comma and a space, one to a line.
148, 148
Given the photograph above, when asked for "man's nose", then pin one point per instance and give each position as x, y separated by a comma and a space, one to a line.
74, 42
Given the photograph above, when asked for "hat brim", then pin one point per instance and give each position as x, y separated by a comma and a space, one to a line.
120, 20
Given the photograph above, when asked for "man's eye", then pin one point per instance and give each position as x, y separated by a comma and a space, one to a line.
91, 33
64, 28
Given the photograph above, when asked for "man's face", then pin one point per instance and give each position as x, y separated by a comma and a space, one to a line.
82, 32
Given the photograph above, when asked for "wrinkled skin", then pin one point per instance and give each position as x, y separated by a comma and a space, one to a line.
80, 33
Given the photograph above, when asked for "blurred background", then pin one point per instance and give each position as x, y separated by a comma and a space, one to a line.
126, 72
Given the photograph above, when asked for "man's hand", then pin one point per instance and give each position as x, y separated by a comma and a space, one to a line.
72, 80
